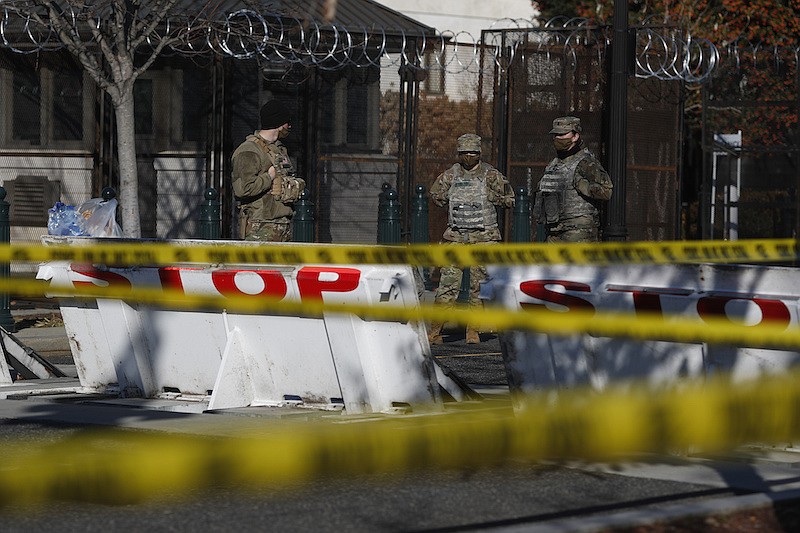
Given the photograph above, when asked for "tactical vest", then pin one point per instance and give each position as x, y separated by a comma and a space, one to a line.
557, 198
468, 206
266, 206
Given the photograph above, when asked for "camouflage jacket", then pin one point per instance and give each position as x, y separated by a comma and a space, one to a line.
575, 184
261, 196
497, 191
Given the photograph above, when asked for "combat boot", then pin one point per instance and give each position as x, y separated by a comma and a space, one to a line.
435, 335
472, 336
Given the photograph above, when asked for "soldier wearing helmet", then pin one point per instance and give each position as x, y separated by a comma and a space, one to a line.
471, 190
574, 183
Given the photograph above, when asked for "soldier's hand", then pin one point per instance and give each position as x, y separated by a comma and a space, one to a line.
277, 186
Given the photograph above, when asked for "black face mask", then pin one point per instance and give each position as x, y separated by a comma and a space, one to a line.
468, 160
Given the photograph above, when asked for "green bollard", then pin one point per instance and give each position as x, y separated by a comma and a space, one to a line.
419, 229
303, 219
210, 218
521, 222
419, 216
385, 187
389, 212
6, 320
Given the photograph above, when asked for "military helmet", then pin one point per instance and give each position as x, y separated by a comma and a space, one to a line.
469, 142
563, 125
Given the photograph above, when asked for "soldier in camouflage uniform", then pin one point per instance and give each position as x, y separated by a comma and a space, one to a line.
573, 185
471, 189
264, 180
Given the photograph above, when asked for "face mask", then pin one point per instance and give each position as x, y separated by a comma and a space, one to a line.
468, 161
283, 133
563, 144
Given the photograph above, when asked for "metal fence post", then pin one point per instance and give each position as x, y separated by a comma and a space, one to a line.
521, 224
6, 320
303, 220
210, 218
389, 212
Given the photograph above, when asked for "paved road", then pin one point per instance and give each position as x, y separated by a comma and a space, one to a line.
516, 494
512, 497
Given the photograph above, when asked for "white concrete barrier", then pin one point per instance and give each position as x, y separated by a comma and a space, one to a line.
237, 360
745, 295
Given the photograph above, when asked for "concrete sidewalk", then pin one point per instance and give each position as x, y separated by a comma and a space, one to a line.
49, 342
35, 329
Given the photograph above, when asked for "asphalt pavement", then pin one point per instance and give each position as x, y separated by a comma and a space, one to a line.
759, 485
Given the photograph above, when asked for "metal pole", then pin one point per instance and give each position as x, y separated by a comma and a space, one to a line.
616, 228
706, 197
6, 320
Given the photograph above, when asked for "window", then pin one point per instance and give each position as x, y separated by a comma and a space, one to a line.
143, 106
47, 104
68, 112
27, 105
349, 110
171, 108
196, 104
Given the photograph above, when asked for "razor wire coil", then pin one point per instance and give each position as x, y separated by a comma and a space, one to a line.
662, 51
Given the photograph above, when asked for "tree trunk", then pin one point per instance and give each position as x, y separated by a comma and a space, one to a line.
126, 155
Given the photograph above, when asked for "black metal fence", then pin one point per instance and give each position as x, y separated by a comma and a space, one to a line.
744, 181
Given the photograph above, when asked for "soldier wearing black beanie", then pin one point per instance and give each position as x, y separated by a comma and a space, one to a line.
264, 180
274, 115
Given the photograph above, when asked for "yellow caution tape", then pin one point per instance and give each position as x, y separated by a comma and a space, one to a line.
606, 253
126, 467
627, 325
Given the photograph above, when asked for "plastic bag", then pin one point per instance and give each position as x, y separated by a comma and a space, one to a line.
63, 219
99, 218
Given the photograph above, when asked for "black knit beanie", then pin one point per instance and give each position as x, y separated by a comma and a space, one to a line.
274, 115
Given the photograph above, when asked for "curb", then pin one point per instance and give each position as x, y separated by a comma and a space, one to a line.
649, 518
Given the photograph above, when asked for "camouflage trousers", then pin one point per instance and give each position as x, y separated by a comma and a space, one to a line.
450, 278
268, 230
583, 228
573, 235
578, 229
450, 285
